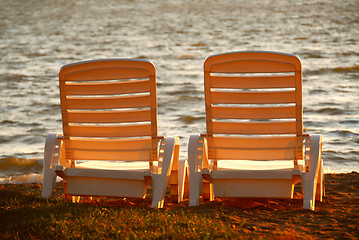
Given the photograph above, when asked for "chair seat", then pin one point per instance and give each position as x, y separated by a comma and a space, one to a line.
246, 169
255, 165
108, 169
112, 165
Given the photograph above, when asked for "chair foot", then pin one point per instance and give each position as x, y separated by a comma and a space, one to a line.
157, 204
308, 204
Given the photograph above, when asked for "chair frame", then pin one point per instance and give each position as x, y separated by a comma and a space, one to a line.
205, 150
122, 94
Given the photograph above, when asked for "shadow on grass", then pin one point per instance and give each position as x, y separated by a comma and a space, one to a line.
25, 215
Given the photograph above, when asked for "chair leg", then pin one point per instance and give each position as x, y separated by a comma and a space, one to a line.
320, 192
175, 176
67, 196
323, 181
309, 191
174, 188
207, 191
159, 190
195, 185
314, 176
183, 183
49, 178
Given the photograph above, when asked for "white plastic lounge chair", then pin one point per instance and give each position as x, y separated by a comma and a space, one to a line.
109, 145
254, 146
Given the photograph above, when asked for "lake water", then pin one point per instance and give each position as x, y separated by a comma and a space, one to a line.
38, 37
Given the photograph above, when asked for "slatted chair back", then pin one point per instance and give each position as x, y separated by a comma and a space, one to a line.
109, 110
254, 106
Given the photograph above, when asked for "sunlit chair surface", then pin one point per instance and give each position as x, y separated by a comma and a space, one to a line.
254, 146
109, 145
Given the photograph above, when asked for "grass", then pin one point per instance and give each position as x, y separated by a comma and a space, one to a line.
25, 215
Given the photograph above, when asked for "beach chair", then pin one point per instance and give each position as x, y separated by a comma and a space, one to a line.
109, 146
254, 146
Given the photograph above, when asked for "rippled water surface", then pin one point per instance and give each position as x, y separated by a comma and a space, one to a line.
38, 37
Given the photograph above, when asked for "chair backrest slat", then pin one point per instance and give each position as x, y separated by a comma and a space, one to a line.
108, 88
253, 97
105, 72
252, 82
111, 131
135, 101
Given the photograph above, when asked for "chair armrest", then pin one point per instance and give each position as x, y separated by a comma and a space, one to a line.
168, 155
52, 150
198, 153
313, 152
